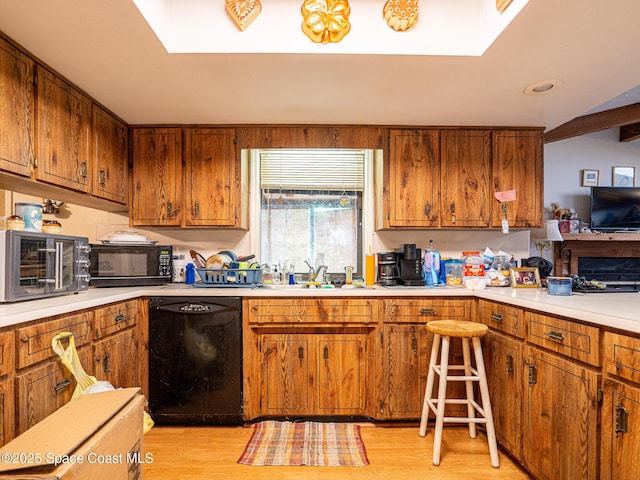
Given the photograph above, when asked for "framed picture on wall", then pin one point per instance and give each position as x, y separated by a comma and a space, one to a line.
624, 176
590, 178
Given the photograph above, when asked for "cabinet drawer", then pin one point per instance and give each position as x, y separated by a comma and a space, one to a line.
501, 317
34, 343
7, 352
297, 310
580, 342
622, 356
116, 317
421, 310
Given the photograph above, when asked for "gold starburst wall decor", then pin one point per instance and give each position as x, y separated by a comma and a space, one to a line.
325, 21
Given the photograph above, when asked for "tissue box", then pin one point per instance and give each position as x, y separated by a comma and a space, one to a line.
559, 285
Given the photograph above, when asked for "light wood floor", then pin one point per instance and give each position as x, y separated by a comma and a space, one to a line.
395, 452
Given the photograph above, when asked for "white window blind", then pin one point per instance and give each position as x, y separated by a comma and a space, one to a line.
312, 169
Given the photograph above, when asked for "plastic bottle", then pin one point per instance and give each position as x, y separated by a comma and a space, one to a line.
473, 265
190, 275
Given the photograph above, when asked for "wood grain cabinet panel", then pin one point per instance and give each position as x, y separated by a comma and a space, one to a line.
115, 359
464, 189
517, 164
63, 133
16, 114
110, 157
316, 311
412, 194
34, 342
7, 410
7, 353
157, 177
115, 317
560, 422
579, 342
212, 178
418, 310
622, 356
502, 318
42, 389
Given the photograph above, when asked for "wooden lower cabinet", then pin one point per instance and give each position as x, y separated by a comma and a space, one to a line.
7, 410
503, 364
42, 389
560, 418
313, 374
405, 368
115, 359
620, 431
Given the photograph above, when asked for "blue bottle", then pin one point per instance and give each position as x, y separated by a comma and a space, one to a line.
190, 277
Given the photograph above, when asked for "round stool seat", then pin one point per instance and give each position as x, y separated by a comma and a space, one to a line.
457, 328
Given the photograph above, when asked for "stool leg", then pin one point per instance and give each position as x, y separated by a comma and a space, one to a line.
442, 395
471, 411
486, 402
426, 409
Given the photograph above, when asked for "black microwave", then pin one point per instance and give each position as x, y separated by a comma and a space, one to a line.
129, 265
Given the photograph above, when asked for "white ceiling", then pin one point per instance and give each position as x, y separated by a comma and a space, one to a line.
107, 49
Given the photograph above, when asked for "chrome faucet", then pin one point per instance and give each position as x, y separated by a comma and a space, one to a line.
316, 273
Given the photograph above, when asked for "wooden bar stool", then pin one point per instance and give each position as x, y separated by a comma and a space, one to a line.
444, 330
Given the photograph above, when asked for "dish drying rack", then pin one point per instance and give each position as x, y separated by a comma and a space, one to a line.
229, 277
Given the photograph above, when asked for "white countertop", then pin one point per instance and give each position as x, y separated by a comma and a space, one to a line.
615, 310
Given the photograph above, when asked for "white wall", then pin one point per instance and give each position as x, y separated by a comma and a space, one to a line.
564, 161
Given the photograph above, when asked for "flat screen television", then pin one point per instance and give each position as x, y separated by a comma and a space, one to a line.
615, 209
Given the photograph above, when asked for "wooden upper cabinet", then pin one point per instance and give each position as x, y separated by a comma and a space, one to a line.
465, 163
517, 164
16, 114
412, 196
63, 133
157, 177
212, 178
110, 148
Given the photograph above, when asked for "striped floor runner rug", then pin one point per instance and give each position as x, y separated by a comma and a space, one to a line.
305, 443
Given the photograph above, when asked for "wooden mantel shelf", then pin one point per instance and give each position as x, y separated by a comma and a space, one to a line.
602, 237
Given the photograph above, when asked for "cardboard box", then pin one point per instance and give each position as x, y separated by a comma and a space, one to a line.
96, 436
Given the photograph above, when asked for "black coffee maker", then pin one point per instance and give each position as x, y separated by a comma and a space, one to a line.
387, 268
410, 266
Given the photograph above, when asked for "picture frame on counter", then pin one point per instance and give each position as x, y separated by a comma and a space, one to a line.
525, 277
590, 178
624, 176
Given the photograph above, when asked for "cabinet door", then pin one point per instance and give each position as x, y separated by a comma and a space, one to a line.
464, 189
341, 374
6, 410
157, 177
16, 114
110, 165
115, 359
287, 361
503, 364
560, 422
212, 177
620, 431
517, 165
405, 370
42, 389
413, 193
63, 132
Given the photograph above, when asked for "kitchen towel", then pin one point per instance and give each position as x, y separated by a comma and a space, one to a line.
305, 443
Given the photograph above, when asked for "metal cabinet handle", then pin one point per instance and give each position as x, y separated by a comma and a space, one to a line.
452, 209
325, 353
495, 316
427, 210
120, 317
509, 359
84, 170
106, 363
414, 345
300, 353
63, 384
169, 209
427, 311
102, 177
622, 419
197, 209
555, 336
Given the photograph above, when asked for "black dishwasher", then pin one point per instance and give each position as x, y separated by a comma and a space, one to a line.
195, 360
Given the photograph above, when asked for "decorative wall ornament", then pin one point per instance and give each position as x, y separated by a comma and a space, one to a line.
325, 21
243, 12
401, 15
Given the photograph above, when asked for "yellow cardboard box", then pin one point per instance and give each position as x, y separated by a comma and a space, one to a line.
96, 436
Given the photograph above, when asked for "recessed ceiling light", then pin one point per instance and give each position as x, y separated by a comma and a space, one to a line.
538, 88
